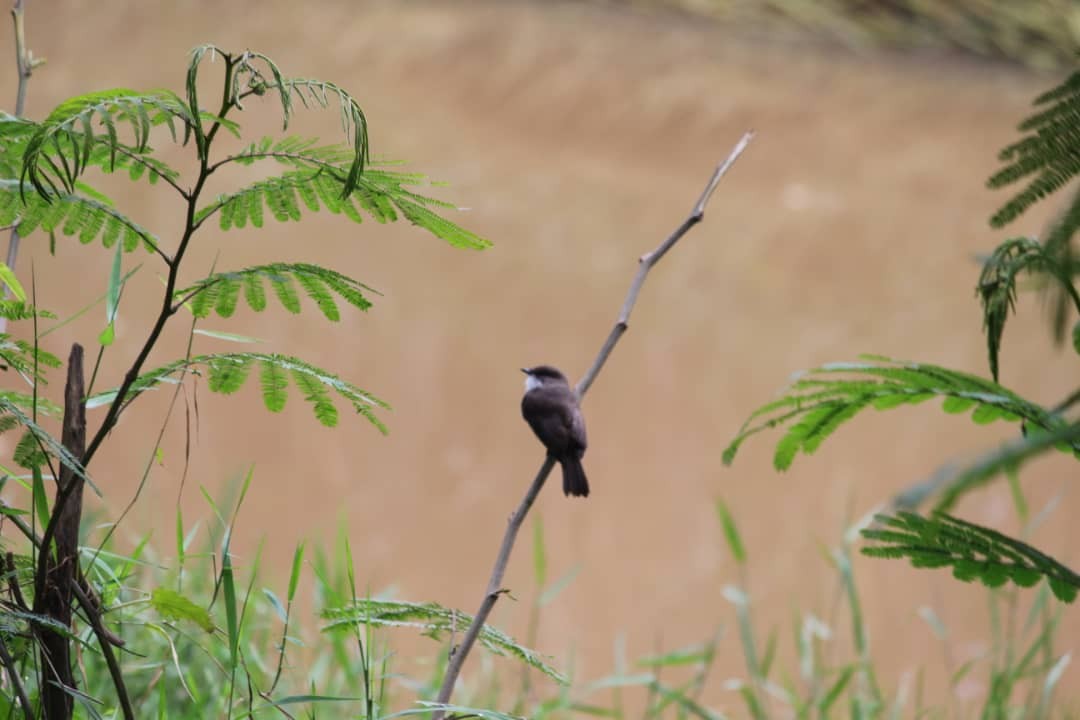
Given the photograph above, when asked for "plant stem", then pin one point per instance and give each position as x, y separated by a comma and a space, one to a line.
25, 68
494, 586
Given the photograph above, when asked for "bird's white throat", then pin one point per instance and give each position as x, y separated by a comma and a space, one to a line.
532, 382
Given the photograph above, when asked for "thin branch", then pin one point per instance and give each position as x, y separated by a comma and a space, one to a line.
135, 157
16, 681
648, 260
24, 65
106, 640
1067, 403
191, 295
494, 586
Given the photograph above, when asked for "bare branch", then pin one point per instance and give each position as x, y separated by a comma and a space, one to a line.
16, 682
24, 64
645, 264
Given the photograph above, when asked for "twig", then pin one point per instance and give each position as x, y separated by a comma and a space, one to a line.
106, 640
24, 65
16, 681
494, 586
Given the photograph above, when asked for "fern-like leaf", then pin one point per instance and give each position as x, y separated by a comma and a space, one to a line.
71, 214
1051, 152
227, 373
379, 193
951, 482
296, 152
31, 449
1058, 246
26, 402
822, 399
21, 356
22, 310
73, 135
256, 74
998, 281
973, 551
220, 291
433, 620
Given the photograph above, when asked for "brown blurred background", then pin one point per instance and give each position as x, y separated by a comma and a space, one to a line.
579, 136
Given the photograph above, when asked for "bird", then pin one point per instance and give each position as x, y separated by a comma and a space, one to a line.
551, 408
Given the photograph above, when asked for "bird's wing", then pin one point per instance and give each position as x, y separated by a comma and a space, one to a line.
550, 417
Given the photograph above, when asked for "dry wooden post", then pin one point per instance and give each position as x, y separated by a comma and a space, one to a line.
55, 602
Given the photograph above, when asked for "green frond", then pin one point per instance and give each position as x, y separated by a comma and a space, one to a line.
998, 281
85, 129
821, 400
434, 621
951, 482
1050, 152
15, 129
973, 551
227, 372
36, 442
22, 310
295, 152
380, 194
26, 402
21, 356
353, 123
219, 292
1059, 248
71, 214
253, 73
138, 164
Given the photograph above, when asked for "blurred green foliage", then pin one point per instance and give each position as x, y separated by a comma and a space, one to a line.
1043, 35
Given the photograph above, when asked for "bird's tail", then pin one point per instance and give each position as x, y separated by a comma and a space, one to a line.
573, 477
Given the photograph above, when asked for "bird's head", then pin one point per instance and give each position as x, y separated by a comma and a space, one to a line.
542, 375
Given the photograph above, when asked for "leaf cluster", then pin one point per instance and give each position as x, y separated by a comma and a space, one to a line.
220, 292
998, 283
974, 552
435, 621
226, 373
818, 402
1047, 157
1050, 151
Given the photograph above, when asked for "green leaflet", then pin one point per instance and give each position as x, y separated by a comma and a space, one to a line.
274, 382
11, 282
174, 606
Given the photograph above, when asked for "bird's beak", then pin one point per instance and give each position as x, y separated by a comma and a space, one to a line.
526, 371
